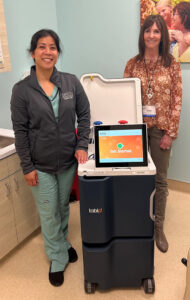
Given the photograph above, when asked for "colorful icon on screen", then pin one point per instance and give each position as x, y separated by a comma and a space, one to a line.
120, 145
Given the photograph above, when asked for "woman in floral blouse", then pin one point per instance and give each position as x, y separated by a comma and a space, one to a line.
161, 86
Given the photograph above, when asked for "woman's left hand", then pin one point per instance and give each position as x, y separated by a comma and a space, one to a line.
81, 156
165, 142
177, 35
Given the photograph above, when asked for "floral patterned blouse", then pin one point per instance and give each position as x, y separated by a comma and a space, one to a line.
167, 88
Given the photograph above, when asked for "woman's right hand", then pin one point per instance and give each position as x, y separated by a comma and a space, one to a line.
166, 142
32, 178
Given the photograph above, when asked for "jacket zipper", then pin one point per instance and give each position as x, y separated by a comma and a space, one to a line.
57, 123
58, 162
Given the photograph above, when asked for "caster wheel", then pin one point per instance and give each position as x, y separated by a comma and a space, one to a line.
89, 287
149, 286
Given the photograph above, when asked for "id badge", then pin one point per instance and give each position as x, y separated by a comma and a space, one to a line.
149, 111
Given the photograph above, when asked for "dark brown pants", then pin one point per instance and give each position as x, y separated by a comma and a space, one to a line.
161, 160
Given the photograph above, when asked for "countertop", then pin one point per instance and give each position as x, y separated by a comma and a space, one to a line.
8, 150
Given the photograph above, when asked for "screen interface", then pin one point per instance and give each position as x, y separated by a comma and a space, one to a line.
121, 146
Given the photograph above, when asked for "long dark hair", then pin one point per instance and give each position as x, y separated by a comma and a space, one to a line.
43, 33
164, 46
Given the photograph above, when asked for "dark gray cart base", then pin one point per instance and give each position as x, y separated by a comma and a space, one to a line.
117, 232
121, 263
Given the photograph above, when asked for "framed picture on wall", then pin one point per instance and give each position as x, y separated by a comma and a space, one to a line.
176, 14
5, 65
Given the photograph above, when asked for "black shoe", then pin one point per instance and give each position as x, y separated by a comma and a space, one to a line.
56, 278
72, 255
72, 198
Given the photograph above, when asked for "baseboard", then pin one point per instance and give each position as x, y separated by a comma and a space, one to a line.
179, 186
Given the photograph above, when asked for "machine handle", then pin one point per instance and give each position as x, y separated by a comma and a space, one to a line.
152, 216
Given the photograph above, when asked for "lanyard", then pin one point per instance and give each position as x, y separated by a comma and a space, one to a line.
149, 91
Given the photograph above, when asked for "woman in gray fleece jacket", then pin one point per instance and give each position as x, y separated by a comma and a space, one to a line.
44, 108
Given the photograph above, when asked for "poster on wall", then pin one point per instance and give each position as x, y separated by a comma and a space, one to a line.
5, 65
176, 14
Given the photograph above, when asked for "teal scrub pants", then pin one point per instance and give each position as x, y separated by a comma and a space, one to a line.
52, 201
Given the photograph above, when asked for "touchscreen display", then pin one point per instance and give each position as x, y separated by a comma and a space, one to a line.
121, 145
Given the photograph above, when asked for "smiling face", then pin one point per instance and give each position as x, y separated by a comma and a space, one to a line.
166, 12
177, 21
152, 37
45, 54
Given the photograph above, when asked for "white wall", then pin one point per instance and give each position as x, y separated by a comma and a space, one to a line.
23, 19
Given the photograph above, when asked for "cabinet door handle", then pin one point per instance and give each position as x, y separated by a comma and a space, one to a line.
17, 184
8, 189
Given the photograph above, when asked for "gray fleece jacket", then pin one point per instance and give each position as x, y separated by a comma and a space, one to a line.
41, 142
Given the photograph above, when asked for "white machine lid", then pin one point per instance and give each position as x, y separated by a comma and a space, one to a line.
112, 100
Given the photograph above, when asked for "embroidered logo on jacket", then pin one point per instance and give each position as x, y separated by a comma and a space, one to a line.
67, 95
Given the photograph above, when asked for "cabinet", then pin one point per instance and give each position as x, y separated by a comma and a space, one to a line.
18, 213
